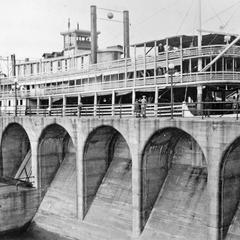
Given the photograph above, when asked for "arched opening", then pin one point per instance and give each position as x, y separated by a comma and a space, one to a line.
174, 193
230, 192
55, 145
15, 157
107, 180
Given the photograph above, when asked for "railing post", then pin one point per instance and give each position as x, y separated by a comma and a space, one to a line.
38, 105
95, 105
120, 115
64, 106
237, 111
133, 102
113, 103
156, 102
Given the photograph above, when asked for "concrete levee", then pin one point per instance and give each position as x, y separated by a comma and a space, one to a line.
17, 207
197, 184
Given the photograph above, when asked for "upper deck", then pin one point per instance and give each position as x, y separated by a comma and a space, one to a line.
71, 75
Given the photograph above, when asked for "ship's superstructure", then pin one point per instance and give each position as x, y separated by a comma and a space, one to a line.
208, 71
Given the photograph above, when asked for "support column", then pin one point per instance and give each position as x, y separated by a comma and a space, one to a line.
135, 67
144, 67
125, 72
214, 160
136, 186
38, 105
95, 105
133, 101
155, 62
34, 160
113, 102
49, 105
156, 102
64, 106
181, 60
199, 99
79, 111
166, 50
80, 175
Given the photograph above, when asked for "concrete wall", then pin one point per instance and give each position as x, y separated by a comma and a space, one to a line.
212, 139
17, 207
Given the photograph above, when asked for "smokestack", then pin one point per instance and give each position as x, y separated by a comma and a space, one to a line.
126, 34
93, 34
13, 60
69, 24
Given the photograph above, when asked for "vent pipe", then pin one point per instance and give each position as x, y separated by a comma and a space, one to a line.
93, 34
126, 34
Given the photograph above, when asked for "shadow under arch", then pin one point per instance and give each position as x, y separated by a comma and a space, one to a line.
107, 178
54, 144
173, 184
229, 191
15, 146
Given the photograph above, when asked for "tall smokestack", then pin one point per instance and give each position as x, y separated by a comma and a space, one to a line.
93, 34
126, 34
13, 61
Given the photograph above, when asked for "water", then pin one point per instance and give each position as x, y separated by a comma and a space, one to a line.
33, 233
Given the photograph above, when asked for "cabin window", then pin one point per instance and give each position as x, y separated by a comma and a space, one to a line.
51, 66
0, 103
237, 64
71, 83
9, 103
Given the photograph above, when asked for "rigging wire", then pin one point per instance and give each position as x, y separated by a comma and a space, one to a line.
227, 22
138, 25
184, 17
222, 11
216, 14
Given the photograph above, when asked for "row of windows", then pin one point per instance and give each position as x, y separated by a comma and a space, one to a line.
51, 66
12, 103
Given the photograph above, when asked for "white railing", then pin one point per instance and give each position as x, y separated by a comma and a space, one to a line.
209, 109
127, 84
121, 64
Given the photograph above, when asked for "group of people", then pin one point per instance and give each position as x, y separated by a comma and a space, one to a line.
140, 107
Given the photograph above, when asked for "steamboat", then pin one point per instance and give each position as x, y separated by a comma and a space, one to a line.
180, 76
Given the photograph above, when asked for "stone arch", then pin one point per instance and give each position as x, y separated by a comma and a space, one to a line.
229, 187
173, 182
107, 178
15, 150
54, 144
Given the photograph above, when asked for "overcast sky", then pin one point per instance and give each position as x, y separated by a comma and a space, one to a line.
31, 27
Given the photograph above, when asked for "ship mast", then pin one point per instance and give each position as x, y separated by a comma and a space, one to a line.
199, 33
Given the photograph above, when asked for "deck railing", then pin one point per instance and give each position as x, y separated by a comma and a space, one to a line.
205, 77
122, 64
207, 109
